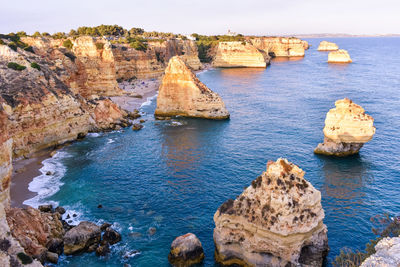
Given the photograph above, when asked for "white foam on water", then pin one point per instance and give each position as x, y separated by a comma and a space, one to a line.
149, 100
109, 141
47, 185
93, 134
176, 123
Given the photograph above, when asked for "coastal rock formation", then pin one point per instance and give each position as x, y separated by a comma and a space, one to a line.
327, 46
387, 254
84, 237
276, 221
182, 94
239, 54
347, 128
339, 56
186, 250
280, 46
34, 229
5, 160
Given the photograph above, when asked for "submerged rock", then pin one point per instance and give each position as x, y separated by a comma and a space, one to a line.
137, 126
347, 128
339, 56
186, 250
387, 254
182, 94
276, 221
327, 46
111, 236
83, 237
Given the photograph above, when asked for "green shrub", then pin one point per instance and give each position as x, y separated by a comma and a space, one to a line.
29, 49
15, 66
70, 56
13, 46
35, 65
2, 42
68, 44
36, 34
22, 34
25, 259
99, 46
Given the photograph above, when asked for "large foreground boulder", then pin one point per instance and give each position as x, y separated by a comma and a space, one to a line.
347, 129
276, 221
186, 250
182, 94
84, 237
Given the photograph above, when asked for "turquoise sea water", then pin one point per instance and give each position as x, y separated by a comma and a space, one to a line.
173, 175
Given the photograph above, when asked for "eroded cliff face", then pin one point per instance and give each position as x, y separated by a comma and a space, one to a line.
5, 160
276, 221
239, 54
327, 46
181, 93
280, 46
347, 128
339, 56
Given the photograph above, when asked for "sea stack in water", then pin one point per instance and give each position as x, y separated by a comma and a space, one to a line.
327, 46
347, 128
239, 54
182, 94
276, 221
339, 56
186, 250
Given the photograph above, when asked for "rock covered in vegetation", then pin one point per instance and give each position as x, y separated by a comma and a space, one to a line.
182, 94
186, 250
239, 54
84, 237
276, 221
387, 254
327, 46
339, 56
280, 46
347, 128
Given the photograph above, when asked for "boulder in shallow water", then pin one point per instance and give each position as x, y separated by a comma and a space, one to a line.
347, 128
82, 238
111, 236
186, 250
137, 126
276, 221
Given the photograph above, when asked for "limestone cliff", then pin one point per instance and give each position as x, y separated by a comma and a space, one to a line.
347, 128
5, 160
327, 46
276, 221
239, 54
387, 254
339, 56
280, 46
182, 94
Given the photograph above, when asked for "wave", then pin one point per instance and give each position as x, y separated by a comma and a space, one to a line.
149, 100
49, 182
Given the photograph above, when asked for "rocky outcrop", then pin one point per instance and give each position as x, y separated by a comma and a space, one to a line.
182, 94
5, 160
280, 46
387, 254
84, 237
339, 56
186, 250
34, 229
347, 128
239, 54
276, 221
327, 46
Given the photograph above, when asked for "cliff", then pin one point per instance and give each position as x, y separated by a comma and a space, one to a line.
339, 56
276, 221
239, 54
5, 160
280, 46
387, 254
327, 46
182, 94
347, 128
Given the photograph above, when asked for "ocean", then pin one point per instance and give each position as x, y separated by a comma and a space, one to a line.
173, 175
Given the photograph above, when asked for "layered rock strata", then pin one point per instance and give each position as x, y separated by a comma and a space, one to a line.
5, 160
280, 46
327, 46
339, 56
186, 250
276, 221
182, 94
239, 54
347, 129
387, 254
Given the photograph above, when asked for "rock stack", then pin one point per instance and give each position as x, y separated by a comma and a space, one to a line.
339, 56
182, 94
186, 250
347, 128
276, 221
327, 46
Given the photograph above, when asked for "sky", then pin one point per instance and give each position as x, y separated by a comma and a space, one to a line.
249, 17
